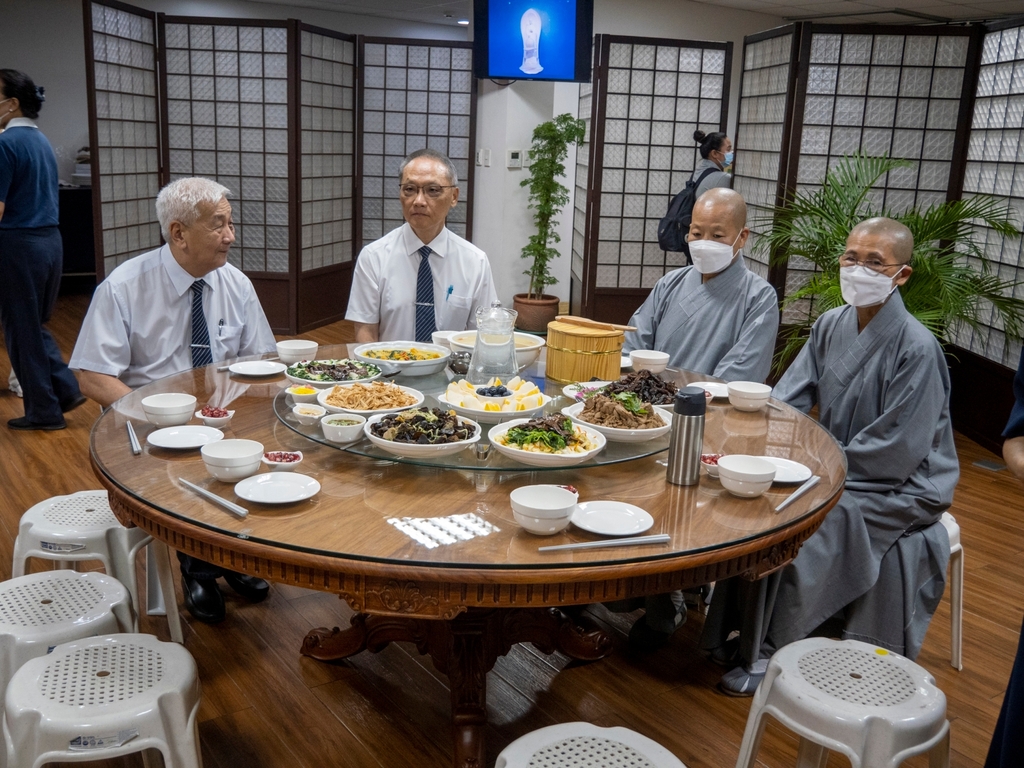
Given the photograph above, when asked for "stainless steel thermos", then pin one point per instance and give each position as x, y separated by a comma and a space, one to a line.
687, 436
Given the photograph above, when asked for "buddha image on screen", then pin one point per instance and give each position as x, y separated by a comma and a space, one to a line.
529, 25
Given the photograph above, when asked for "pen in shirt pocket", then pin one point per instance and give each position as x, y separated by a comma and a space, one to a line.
220, 328
448, 295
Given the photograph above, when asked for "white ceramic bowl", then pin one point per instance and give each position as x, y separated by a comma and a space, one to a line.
406, 367
169, 409
711, 469
308, 414
440, 338
215, 421
231, 460
347, 433
545, 501
648, 359
281, 466
617, 435
749, 395
296, 350
325, 393
542, 526
416, 450
747, 476
493, 417
528, 346
545, 459
308, 398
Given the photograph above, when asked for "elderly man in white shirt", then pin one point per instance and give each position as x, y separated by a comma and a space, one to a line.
178, 307
421, 277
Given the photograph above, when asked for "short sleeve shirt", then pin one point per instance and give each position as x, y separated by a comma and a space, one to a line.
28, 177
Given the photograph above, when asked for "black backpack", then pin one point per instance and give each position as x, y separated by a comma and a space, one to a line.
674, 227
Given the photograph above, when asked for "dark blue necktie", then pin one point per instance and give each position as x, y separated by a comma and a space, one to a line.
201, 353
424, 297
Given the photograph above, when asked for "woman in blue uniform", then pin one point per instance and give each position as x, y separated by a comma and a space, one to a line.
31, 257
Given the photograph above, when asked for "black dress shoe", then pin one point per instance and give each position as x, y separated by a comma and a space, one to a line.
69, 405
22, 423
203, 599
644, 639
252, 588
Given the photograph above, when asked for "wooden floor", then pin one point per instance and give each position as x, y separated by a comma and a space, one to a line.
265, 706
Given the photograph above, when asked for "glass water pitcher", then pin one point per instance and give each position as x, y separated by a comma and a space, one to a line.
494, 355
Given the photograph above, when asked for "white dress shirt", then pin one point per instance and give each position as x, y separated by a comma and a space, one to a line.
384, 283
139, 324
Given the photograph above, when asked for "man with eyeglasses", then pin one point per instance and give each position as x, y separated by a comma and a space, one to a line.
178, 307
420, 277
875, 570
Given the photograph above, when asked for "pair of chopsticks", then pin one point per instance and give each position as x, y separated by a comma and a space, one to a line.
657, 538
573, 320
230, 506
133, 440
813, 481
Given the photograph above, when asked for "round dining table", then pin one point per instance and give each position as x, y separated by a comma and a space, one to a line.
430, 553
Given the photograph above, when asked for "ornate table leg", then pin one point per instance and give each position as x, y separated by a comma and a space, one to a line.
464, 648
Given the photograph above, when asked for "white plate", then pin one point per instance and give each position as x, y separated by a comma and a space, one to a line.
787, 471
406, 367
277, 488
257, 368
416, 450
571, 390
323, 394
716, 388
617, 435
493, 417
184, 438
328, 384
545, 459
611, 518
625, 362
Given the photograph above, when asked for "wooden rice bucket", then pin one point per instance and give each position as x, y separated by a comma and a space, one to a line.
581, 352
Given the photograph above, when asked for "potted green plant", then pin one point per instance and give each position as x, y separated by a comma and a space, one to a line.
550, 147
944, 293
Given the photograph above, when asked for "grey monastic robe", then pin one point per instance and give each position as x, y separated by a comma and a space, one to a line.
725, 327
880, 556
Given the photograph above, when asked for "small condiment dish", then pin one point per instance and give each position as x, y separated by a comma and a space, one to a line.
232, 460
710, 462
648, 359
282, 466
308, 414
348, 432
169, 409
296, 350
747, 476
298, 395
749, 395
543, 509
215, 421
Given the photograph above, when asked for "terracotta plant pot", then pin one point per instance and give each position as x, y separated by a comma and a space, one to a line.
535, 313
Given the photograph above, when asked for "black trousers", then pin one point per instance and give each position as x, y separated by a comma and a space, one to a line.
1007, 748
30, 267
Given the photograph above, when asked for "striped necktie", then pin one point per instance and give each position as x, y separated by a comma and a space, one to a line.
424, 297
201, 352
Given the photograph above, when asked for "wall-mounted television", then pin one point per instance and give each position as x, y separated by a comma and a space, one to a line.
533, 39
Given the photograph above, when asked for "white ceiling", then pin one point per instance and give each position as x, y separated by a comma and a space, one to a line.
829, 11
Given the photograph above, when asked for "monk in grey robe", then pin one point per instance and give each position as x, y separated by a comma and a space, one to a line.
715, 317
878, 562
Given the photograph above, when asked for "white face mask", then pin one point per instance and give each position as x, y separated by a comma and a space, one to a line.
710, 257
863, 287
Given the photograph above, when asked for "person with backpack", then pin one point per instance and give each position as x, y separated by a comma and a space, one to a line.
716, 155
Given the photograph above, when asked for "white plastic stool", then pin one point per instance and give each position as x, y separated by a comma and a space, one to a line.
873, 706
586, 746
81, 526
42, 610
956, 590
104, 697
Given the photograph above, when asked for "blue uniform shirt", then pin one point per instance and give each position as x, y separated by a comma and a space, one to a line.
28, 178
1015, 426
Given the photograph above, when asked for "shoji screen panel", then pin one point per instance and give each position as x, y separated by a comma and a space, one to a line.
415, 95
995, 166
124, 132
653, 94
580, 235
762, 130
327, 124
227, 119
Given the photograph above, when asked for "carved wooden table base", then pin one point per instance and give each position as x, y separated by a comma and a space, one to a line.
464, 648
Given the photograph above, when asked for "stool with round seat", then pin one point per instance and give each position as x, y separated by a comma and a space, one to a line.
81, 527
104, 697
583, 745
871, 705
